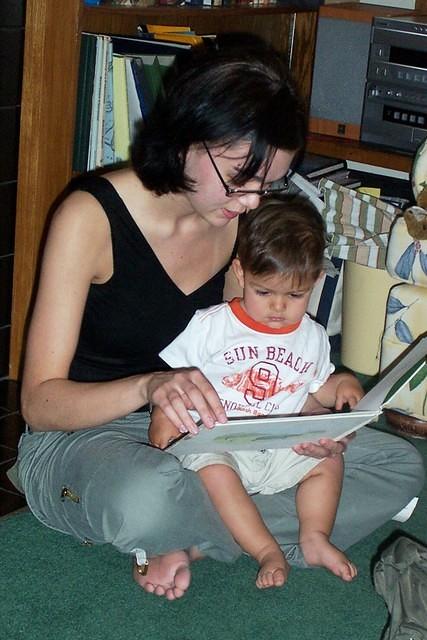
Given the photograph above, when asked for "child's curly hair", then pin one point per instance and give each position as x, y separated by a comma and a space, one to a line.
285, 237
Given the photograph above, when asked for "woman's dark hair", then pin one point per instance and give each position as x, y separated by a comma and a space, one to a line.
283, 237
238, 91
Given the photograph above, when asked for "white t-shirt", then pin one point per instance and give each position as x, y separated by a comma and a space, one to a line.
256, 371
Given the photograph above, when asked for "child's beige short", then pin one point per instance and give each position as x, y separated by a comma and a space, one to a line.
267, 471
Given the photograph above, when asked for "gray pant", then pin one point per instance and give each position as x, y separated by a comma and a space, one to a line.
106, 485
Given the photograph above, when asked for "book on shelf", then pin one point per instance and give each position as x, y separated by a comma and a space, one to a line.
129, 45
400, 4
121, 118
316, 166
172, 38
135, 114
169, 33
93, 138
120, 79
148, 72
84, 101
94, 158
146, 100
133, 3
165, 28
164, 63
153, 75
100, 114
344, 177
108, 148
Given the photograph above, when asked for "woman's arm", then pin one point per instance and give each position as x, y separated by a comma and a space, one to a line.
78, 252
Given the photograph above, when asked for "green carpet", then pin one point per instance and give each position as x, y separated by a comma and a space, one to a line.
53, 588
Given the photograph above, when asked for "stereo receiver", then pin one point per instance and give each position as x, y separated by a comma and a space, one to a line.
395, 101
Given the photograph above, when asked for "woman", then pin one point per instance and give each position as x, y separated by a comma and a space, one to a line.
129, 257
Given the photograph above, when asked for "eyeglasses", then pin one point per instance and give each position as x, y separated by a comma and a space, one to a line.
231, 191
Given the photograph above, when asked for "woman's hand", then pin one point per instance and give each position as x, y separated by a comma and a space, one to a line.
179, 390
325, 448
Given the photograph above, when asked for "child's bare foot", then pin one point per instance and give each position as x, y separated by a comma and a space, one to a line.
273, 569
319, 552
167, 575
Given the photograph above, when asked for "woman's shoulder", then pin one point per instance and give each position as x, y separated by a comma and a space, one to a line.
79, 209
141, 203
126, 184
89, 196
79, 224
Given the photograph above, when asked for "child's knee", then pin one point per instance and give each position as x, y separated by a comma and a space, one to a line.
332, 466
217, 470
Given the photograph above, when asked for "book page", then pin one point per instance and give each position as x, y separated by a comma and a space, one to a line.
376, 396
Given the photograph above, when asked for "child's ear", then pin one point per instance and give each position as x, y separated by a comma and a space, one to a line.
238, 272
320, 276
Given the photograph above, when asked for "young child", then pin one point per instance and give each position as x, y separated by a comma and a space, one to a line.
264, 355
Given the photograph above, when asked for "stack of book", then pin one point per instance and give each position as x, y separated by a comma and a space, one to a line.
120, 80
195, 3
315, 167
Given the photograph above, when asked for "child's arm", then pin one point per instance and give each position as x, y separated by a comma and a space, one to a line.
340, 389
161, 430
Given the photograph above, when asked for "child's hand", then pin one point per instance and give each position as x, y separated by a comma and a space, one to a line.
161, 431
349, 391
325, 448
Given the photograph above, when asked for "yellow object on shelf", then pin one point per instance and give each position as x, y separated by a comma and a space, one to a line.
365, 292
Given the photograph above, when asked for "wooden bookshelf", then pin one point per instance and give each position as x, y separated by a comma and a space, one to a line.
49, 91
52, 46
346, 149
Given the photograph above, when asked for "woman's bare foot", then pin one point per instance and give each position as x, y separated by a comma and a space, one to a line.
273, 569
168, 575
319, 552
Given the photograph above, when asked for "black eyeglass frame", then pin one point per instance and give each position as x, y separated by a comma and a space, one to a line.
231, 191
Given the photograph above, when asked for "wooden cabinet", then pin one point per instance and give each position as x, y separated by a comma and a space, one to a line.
51, 58
360, 152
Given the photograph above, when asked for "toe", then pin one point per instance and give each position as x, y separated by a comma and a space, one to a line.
260, 581
182, 579
353, 570
348, 572
279, 578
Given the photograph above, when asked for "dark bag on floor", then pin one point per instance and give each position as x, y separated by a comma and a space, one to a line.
400, 577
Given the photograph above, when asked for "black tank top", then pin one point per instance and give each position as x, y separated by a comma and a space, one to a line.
128, 320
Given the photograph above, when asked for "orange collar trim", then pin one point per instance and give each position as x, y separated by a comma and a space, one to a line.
240, 313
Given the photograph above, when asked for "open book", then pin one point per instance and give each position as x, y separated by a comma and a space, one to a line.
283, 431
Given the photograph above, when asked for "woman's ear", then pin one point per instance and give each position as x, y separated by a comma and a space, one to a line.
238, 272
